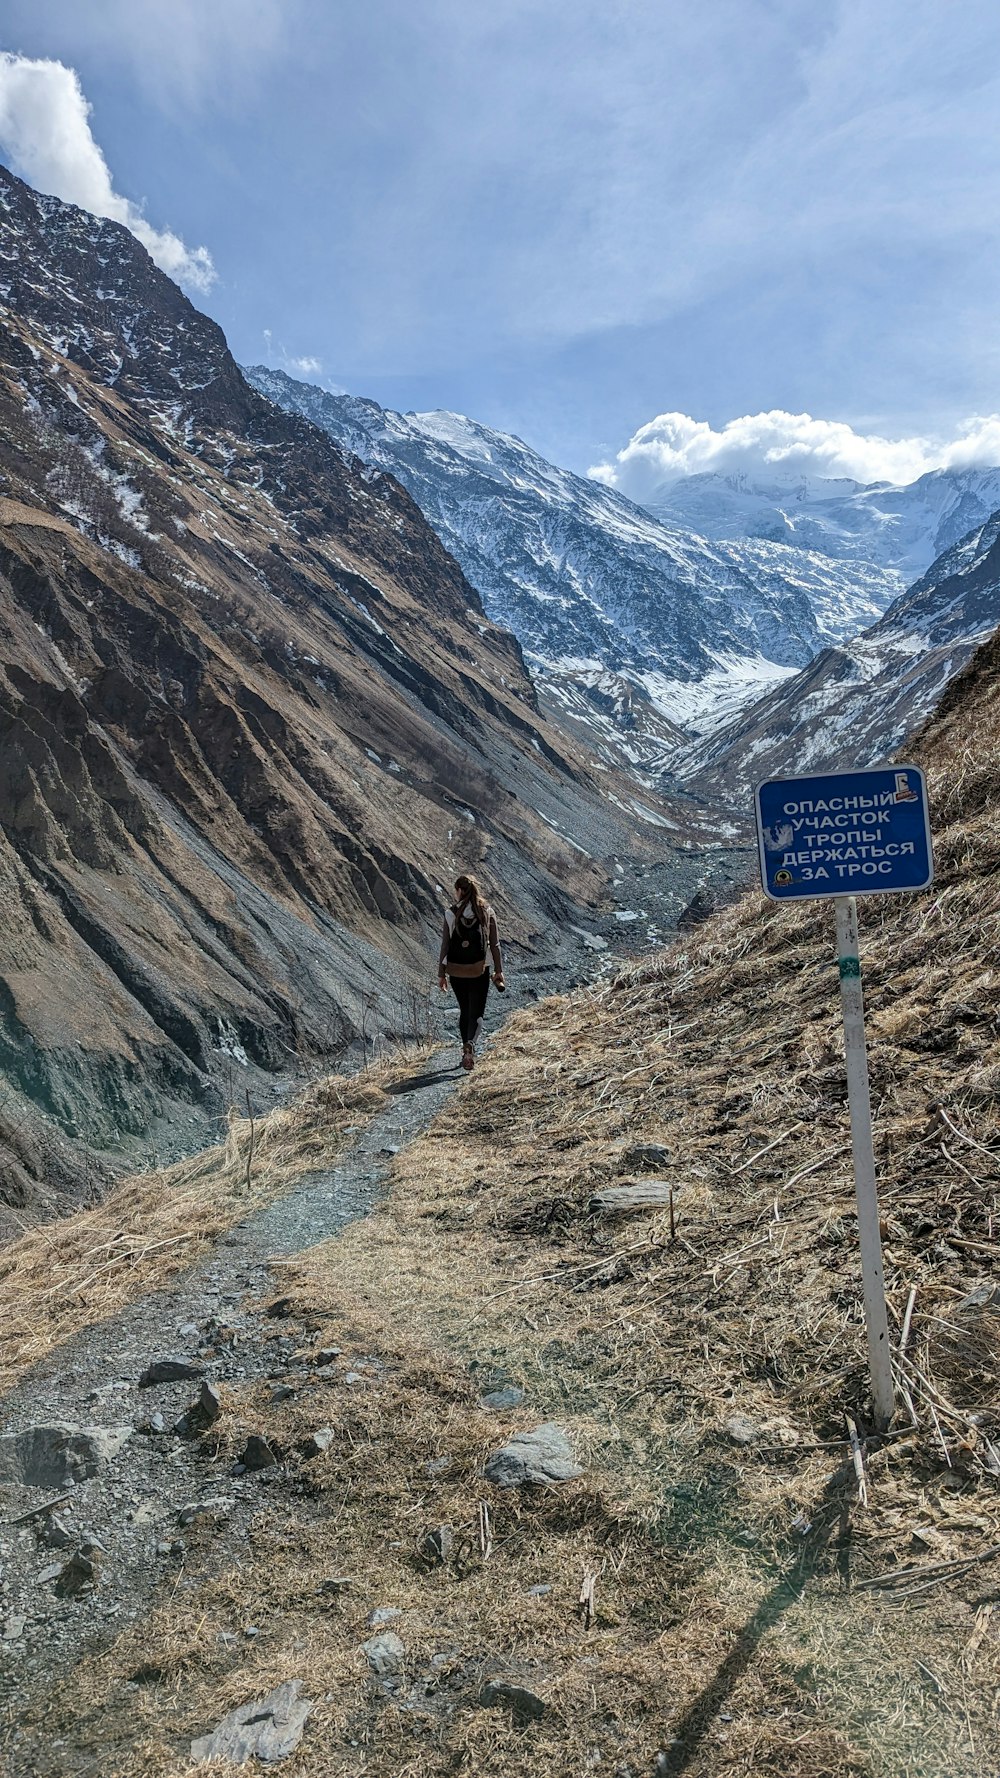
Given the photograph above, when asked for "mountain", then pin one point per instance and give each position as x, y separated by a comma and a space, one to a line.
891, 531
855, 705
252, 716
633, 628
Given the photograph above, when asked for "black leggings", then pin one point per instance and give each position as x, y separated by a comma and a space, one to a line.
471, 993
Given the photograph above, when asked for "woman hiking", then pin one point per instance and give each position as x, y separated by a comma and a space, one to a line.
469, 932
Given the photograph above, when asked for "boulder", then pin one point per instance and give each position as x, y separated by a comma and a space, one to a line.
269, 1729
170, 1370
536, 1458
58, 1455
385, 1653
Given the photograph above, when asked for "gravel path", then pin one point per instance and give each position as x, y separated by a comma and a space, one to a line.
133, 1508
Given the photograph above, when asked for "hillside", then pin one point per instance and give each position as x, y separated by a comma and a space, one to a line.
252, 717
638, 629
855, 705
715, 1591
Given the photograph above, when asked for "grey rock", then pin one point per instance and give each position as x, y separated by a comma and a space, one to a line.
741, 1430
284, 1392
154, 1426
217, 1506
327, 1354
209, 1403
437, 1466
385, 1653
335, 1584
14, 1627
258, 1453
170, 1370
985, 1296
541, 1591
525, 1706
436, 1545
318, 1442
648, 1154
49, 1573
58, 1455
77, 1574
269, 1729
189, 1330
383, 1614
535, 1458
55, 1532
497, 1401
353, 1377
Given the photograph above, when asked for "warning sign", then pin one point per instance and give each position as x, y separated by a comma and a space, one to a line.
844, 833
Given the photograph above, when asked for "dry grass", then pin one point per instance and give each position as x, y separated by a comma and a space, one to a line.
741, 1624
60, 1278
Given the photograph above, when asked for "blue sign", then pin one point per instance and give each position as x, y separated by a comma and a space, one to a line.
844, 833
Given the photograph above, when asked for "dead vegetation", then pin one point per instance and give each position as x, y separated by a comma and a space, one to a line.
737, 1587
61, 1277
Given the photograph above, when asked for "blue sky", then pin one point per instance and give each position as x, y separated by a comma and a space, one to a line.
563, 217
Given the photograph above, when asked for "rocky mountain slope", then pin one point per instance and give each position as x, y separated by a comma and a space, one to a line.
632, 626
251, 714
896, 531
856, 704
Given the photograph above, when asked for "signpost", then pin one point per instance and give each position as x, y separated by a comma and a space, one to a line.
844, 834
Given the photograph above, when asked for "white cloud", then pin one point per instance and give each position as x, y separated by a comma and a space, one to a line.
776, 445
306, 367
45, 129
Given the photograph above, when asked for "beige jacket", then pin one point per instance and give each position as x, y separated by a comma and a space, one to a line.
462, 971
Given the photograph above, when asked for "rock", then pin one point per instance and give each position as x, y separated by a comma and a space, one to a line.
59, 1455
326, 1354
78, 1573
154, 1426
281, 1307
540, 1457
49, 1573
541, 1591
258, 1453
741, 1430
269, 1729
284, 1392
437, 1466
525, 1706
383, 1614
985, 1296
202, 1413
498, 1401
436, 1546
385, 1653
353, 1377
335, 1584
170, 1370
55, 1532
647, 1154
317, 1442
14, 1627
217, 1506
189, 1330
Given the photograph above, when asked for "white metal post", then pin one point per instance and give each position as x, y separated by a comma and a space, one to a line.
859, 1101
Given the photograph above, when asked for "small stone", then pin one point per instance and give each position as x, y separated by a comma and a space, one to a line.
317, 1442
284, 1392
335, 1584
353, 1377
258, 1453
498, 1401
537, 1458
269, 1729
437, 1466
741, 1430
209, 1403
541, 1591
55, 1532
436, 1546
49, 1573
189, 1331
154, 1426
77, 1574
326, 1354
217, 1506
383, 1614
170, 1370
14, 1627
524, 1706
281, 1308
385, 1653
202, 1413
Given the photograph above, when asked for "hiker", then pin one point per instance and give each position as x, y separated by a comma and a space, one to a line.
470, 929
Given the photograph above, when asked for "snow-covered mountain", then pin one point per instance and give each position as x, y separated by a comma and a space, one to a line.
636, 629
897, 531
855, 704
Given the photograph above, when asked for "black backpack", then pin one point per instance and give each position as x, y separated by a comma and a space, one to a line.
467, 943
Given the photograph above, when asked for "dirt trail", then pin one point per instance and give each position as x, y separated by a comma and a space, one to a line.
210, 1316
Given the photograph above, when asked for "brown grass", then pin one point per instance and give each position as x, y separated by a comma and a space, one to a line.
59, 1278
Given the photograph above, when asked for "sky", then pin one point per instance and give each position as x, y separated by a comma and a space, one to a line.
647, 236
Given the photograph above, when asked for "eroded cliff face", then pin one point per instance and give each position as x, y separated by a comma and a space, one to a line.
251, 718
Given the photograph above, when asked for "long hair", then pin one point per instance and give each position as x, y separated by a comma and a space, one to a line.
468, 890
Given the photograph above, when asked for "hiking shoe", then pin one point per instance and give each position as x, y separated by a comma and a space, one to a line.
468, 1056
